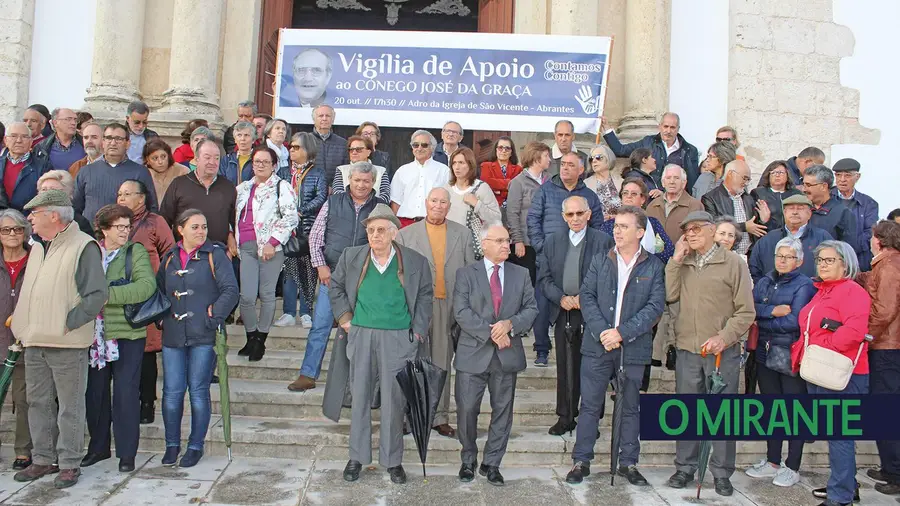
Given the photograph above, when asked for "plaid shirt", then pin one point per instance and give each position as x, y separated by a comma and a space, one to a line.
317, 235
740, 216
24, 158
702, 260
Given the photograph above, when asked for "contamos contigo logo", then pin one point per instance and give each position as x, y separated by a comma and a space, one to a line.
570, 71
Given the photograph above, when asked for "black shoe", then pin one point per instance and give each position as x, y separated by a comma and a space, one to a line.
214, 380
671, 356
190, 458
351, 471
723, 486
147, 412
467, 472
633, 476
92, 458
20, 464
656, 363
243, 352
561, 427
492, 473
578, 472
171, 456
680, 479
822, 493
398, 475
877, 474
888, 488
258, 349
126, 465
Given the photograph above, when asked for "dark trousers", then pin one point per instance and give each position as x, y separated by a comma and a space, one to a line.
529, 261
567, 395
149, 375
775, 383
124, 413
595, 377
884, 378
541, 327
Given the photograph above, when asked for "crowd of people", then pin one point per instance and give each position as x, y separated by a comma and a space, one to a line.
669, 261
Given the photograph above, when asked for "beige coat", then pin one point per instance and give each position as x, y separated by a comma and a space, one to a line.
715, 300
672, 223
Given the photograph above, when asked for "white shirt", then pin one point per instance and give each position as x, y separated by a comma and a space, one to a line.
673, 148
624, 271
411, 185
382, 268
489, 267
576, 237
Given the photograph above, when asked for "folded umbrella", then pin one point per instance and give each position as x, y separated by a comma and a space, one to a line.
221, 348
618, 408
15, 351
421, 383
715, 384
571, 372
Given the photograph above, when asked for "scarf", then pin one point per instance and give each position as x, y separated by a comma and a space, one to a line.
284, 158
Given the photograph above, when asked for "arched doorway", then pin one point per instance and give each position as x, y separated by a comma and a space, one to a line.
490, 16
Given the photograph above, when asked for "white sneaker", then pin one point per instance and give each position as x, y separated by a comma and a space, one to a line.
786, 477
285, 320
762, 469
306, 321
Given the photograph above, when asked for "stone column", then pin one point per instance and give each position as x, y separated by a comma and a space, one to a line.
194, 63
646, 55
116, 71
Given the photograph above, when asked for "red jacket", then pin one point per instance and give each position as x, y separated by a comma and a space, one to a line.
843, 301
491, 174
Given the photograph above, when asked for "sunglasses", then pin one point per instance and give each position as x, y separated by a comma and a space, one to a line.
504, 148
572, 214
723, 139
420, 145
597, 158
357, 149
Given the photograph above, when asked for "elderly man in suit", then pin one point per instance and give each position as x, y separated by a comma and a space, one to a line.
381, 295
448, 248
565, 259
493, 302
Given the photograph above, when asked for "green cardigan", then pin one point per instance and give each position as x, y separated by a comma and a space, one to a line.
142, 286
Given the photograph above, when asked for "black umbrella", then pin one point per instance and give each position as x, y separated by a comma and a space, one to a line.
618, 407
421, 383
571, 372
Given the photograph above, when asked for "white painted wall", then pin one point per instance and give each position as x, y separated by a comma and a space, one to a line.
698, 76
871, 71
62, 52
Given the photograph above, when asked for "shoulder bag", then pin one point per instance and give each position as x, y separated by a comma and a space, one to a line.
294, 247
473, 223
823, 367
151, 310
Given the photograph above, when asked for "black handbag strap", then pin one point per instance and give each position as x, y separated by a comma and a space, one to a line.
278, 199
128, 262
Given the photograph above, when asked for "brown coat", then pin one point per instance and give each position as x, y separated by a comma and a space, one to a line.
75, 167
153, 233
715, 300
883, 285
672, 223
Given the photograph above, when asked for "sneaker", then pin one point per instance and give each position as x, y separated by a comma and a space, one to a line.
541, 360
762, 469
786, 477
306, 321
285, 320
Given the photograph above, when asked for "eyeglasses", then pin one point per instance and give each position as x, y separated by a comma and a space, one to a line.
723, 139
121, 228
621, 226
420, 145
448, 131
500, 241
262, 163
631, 194
745, 179
295, 147
357, 149
777, 173
785, 258
696, 229
504, 148
12, 230
826, 260
572, 214
114, 138
377, 231
597, 157
128, 194
17, 137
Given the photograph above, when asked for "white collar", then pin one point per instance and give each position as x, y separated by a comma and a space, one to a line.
576, 237
622, 259
382, 268
489, 266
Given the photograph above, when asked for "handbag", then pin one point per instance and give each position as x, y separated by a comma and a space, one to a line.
152, 310
473, 223
752, 337
778, 359
823, 367
294, 247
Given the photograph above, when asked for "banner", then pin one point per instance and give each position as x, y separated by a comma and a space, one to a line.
483, 81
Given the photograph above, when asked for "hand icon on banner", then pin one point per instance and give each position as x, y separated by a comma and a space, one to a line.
589, 103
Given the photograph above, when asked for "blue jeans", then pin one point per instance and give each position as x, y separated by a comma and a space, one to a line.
317, 340
188, 368
842, 454
291, 295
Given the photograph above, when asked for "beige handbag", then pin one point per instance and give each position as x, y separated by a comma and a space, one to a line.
823, 367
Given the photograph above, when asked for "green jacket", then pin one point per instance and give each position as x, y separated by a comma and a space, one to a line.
142, 286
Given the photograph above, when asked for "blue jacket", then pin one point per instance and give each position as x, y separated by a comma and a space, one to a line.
228, 168
545, 214
553, 259
865, 210
642, 305
794, 289
762, 255
655, 144
794, 172
839, 221
668, 247
25, 188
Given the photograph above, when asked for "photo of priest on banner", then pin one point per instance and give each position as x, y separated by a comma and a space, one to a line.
311, 71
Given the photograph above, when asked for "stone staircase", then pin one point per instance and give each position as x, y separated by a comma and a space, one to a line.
268, 420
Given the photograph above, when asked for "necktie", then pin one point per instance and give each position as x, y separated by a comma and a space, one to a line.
503, 171
496, 290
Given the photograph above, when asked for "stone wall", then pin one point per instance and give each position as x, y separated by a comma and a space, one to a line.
16, 29
785, 89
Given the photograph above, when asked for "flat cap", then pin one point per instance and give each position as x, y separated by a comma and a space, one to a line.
696, 216
56, 198
797, 199
845, 165
382, 212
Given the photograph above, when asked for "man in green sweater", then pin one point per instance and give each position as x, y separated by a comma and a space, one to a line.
381, 295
